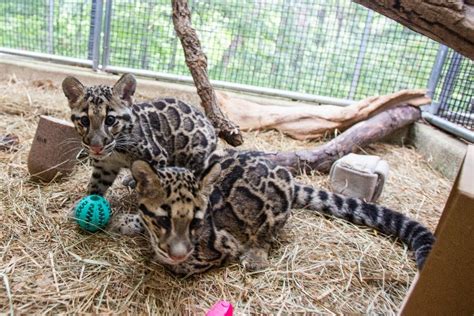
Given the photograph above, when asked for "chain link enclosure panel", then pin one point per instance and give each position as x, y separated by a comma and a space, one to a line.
454, 92
58, 27
330, 48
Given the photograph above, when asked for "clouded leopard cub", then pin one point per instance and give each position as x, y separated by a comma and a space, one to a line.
235, 209
115, 131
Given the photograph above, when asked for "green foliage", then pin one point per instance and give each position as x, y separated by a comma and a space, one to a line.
307, 46
24, 24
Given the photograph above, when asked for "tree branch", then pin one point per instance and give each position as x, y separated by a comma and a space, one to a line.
356, 137
197, 64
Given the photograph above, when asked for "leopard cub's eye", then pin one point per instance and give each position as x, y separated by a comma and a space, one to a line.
85, 121
195, 223
109, 120
163, 221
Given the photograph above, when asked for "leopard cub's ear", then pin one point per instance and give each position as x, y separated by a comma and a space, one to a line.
209, 177
73, 89
148, 182
125, 87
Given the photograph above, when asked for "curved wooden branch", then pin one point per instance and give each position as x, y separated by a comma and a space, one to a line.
356, 137
197, 64
448, 22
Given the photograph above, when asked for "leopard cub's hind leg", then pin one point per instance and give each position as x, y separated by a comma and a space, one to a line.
255, 259
126, 224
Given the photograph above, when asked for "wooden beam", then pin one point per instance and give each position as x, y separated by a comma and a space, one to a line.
448, 22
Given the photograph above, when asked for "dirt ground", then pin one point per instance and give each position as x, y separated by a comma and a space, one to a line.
320, 265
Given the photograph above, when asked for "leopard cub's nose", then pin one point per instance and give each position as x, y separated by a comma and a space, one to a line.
97, 149
178, 252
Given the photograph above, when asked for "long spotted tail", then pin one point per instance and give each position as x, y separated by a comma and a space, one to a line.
356, 211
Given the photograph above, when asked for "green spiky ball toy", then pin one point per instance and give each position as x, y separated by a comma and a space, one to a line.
92, 213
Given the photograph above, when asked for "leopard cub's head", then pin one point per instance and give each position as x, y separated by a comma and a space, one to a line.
172, 203
100, 113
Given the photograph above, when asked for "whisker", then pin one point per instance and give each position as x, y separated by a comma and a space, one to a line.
67, 152
70, 141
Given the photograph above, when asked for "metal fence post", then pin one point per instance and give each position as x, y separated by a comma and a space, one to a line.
107, 23
435, 76
144, 39
49, 41
90, 42
94, 34
449, 81
360, 55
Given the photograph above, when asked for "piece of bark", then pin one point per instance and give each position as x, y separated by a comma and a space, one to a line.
197, 64
448, 22
356, 137
311, 122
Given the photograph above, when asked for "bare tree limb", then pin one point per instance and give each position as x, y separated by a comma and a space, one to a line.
356, 137
197, 64
448, 22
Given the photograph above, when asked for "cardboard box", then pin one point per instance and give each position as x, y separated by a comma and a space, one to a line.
445, 286
54, 149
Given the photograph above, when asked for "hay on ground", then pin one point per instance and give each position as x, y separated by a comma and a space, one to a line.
318, 265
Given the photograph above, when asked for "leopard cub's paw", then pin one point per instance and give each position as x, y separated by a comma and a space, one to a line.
128, 181
71, 212
255, 260
126, 224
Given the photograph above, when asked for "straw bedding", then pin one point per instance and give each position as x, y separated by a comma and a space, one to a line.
321, 265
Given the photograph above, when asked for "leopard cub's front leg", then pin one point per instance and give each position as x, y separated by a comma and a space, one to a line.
103, 176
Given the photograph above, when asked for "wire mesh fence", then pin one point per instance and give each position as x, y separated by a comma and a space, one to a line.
454, 99
59, 27
329, 48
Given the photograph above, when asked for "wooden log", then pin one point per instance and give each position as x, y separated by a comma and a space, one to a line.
305, 122
448, 22
197, 64
354, 138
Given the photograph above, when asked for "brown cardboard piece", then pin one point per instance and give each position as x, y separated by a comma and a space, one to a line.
54, 149
445, 286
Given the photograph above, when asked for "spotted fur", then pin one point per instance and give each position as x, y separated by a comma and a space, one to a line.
115, 131
236, 208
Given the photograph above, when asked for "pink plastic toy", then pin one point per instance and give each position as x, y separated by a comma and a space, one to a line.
221, 308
